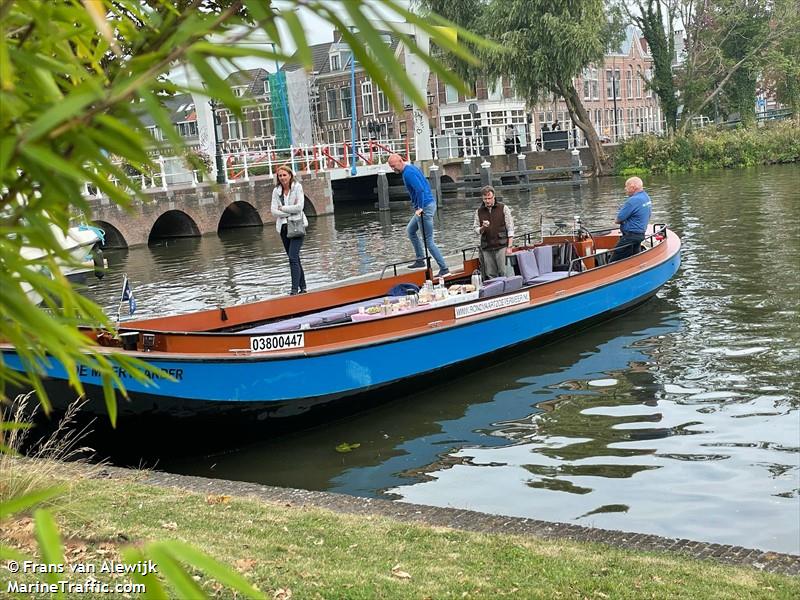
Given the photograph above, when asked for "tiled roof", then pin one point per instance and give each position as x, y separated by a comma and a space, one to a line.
252, 78
320, 53
180, 108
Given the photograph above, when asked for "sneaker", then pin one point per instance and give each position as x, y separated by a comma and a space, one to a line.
417, 264
303, 291
443, 272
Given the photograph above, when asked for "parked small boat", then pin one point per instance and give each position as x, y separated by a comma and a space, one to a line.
352, 344
81, 254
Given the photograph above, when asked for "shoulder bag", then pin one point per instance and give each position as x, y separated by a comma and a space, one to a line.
294, 228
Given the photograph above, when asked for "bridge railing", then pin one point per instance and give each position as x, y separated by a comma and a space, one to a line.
241, 165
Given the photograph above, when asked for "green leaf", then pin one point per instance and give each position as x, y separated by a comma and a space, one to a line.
174, 573
345, 447
47, 159
49, 542
210, 566
7, 553
299, 37
23, 503
152, 586
61, 111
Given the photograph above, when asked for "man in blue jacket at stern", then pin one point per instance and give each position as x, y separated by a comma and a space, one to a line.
632, 218
424, 205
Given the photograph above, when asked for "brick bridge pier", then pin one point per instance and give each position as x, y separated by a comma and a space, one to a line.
205, 208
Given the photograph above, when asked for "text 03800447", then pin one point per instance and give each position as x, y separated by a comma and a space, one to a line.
283, 341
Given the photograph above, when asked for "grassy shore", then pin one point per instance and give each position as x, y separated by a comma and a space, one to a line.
710, 148
293, 552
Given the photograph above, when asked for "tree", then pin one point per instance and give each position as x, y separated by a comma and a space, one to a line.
655, 19
728, 45
76, 79
542, 46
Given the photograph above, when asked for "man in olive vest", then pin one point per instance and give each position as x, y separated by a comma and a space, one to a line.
494, 223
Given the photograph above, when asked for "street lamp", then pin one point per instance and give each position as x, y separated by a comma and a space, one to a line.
614, 95
217, 154
353, 169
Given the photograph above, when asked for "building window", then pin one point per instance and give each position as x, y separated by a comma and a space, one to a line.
587, 84
155, 133
629, 82
367, 103
265, 120
383, 102
187, 129
609, 84
239, 90
266, 87
648, 75
450, 94
496, 90
232, 130
333, 104
335, 61
638, 82
345, 95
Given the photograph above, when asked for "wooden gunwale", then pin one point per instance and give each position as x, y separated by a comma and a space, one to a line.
204, 345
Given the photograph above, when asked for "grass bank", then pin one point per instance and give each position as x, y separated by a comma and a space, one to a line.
710, 148
288, 551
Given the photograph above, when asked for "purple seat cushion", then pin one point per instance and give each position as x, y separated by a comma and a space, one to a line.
334, 316
526, 260
494, 288
544, 258
512, 283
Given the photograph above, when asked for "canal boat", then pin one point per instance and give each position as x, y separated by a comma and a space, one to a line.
353, 344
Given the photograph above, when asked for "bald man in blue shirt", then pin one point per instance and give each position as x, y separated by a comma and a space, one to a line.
633, 217
424, 205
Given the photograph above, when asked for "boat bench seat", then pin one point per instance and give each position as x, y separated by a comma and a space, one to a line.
536, 266
492, 287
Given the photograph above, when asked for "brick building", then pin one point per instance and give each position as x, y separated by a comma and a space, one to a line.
614, 94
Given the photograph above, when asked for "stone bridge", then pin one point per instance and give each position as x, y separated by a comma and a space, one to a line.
205, 208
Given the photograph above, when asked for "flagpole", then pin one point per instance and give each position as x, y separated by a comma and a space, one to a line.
122, 296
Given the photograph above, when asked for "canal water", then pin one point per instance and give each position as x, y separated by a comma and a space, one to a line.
681, 418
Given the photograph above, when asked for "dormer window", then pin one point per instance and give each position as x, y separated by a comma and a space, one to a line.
239, 91
336, 61
266, 87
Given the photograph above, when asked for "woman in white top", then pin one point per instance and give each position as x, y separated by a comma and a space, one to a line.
287, 204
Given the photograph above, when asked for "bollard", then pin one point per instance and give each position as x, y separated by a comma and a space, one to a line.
436, 183
576, 166
522, 168
486, 173
383, 192
466, 167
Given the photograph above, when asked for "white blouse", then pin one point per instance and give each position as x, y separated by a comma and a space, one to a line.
292, 207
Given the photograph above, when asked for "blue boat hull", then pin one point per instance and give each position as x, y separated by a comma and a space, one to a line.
265, 389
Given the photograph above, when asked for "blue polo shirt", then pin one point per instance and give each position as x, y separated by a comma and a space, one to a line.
635, 213
417, 186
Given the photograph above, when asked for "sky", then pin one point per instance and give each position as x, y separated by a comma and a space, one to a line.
317, 31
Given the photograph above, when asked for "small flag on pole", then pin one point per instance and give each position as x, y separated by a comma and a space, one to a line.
127, 294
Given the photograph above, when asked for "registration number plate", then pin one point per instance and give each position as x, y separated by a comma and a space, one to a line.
283, 341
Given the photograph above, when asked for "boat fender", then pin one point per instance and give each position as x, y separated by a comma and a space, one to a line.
222, 314
99, 263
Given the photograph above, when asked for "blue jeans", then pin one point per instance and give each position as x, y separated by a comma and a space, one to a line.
292, 247
412, 229
632, 243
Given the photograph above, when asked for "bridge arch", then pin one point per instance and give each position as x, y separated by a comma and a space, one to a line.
239, 214
113, 236
309, 208
173, 224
